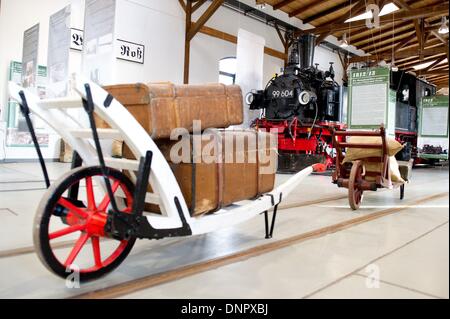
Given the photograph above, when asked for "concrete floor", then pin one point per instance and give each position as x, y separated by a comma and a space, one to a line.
401, 255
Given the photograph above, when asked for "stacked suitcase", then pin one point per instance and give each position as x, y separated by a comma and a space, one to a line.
220, 166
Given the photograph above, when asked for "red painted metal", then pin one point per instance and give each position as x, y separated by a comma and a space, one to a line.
90, 222
294, 137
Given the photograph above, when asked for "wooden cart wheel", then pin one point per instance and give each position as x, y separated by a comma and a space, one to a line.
355, 193
64, 226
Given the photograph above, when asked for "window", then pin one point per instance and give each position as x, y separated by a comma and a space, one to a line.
227, 70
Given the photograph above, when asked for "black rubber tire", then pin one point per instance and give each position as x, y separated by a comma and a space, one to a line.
44, 213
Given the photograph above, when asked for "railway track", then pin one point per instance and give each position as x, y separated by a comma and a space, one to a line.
123, 289
30, 249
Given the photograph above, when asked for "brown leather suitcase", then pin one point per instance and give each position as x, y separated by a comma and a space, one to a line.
233, 175
162, 107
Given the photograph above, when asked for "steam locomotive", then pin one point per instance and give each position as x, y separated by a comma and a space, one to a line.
302, 106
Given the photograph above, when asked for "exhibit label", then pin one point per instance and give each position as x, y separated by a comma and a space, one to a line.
76, 39
130, 51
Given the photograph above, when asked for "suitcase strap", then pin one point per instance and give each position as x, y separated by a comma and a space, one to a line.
220, 170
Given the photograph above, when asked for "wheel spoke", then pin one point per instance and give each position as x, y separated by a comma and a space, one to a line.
74, 209
66, 231
106, 200
76, 249
90, 193
96, 250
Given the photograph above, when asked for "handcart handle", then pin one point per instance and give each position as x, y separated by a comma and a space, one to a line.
26, 114
142, 183
88, 104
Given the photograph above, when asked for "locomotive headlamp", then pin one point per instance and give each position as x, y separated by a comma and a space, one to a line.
305, 97
249, 98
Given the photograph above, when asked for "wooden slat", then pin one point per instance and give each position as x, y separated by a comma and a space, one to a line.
434, 64
437, 10
359, 7
388, 40
283, 3
360, 39
205, 17
197, 5
61, 103
103, 133
122, 163
326, 12
419, 61
411, 44
406, 53
182, 4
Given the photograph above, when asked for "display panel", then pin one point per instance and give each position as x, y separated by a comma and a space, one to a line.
59, 40
369, 98
434, 117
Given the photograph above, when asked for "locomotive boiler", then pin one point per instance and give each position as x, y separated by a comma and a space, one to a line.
302, 105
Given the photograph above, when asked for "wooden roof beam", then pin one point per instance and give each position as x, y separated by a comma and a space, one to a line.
282, 4
326, 12
436, 10
405, 53
410, 45
436, 76
204, 18
388, 40
357, 8
197, 5
435, 63
419, 29
417, 62
381, 35
301, 9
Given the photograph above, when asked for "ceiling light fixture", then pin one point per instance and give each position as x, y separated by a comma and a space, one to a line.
388, 8
427, 64
443, 29
344, 42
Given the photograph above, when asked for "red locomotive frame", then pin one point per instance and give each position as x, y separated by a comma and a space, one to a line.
297, 138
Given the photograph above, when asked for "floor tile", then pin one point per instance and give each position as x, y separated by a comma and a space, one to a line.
355, 287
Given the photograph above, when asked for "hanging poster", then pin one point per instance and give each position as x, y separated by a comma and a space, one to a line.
369, 99
98, 46
17, 134
58, 53
30, 56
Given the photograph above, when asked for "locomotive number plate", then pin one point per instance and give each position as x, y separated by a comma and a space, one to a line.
283, 94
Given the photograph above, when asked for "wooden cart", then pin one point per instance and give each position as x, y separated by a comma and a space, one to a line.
113, 217
354, 175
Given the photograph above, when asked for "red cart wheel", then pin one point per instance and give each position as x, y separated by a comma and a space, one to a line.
355, 193
65, 223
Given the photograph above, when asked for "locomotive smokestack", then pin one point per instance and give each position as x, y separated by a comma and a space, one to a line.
306, 46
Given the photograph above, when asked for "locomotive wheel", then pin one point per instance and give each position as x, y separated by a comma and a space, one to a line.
355, 193
62, 221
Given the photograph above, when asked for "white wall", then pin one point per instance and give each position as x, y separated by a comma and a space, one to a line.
159, 25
